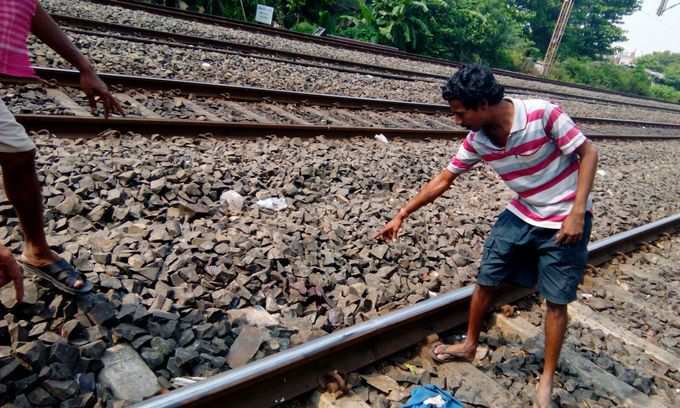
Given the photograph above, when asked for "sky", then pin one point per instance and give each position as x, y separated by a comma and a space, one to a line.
648, 32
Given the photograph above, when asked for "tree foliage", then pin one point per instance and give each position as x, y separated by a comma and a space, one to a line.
498, 32
591, 32
666, 62
465, 30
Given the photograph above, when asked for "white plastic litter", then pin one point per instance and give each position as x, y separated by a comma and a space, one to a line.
205, 65
381, 138
437, 401
184, 381
233, 199
273, 203
601, 173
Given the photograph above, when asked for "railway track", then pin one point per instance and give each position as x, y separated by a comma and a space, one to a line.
191, 108
136, 34
284, 376
217, 110
341, 43
161, 196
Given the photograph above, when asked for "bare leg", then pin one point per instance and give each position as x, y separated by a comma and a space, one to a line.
555, 329
479, 306
23, 191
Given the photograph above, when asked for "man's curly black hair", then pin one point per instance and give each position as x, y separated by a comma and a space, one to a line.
472, 85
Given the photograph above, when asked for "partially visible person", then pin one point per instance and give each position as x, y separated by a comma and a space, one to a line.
18, 18
11, 272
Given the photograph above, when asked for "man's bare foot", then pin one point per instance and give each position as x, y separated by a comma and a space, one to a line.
39, 257
453, 352
544, 392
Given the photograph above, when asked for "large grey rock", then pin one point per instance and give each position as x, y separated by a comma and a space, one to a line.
246, 345
254, 316
127, 375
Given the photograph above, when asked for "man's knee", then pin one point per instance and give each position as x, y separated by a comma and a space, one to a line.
556, 308
486, 290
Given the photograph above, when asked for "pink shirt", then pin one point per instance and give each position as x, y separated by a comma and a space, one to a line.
15, 25
538, 163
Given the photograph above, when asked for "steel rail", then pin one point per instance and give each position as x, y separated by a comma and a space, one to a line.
345, 43
84, 126
190, 42
254, 94
233, 92
287, 374
81, 126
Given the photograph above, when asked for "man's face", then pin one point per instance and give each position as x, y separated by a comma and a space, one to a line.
471, 119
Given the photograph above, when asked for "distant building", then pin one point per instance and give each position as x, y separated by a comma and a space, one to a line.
625, 57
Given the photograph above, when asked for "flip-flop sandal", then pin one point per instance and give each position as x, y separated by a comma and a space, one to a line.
62, 275
449, 357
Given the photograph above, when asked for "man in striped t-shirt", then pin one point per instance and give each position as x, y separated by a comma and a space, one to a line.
541, 239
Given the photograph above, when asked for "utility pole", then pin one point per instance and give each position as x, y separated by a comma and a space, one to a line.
663, 7
557, 35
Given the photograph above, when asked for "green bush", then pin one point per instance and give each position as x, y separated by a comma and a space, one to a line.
603, 74
304, 27
665, 92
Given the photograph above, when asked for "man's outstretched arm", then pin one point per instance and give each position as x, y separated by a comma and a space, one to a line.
433, 189
47, 30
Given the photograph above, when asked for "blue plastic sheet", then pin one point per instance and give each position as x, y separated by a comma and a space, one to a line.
431, 396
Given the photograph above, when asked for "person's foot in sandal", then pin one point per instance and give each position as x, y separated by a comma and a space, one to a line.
61, 274
443, 353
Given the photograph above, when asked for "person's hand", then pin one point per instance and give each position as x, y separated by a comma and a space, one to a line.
11, 272
391, 230
572, 229
96, 90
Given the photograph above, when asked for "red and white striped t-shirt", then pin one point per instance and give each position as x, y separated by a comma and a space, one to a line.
538, 162
16, 17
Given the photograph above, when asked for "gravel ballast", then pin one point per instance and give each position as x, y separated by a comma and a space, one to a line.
180, 274
84, 9
163, 61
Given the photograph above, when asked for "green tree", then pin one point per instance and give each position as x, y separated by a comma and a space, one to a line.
405, 24
465, 30
487, 31
592, 29
658, 61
